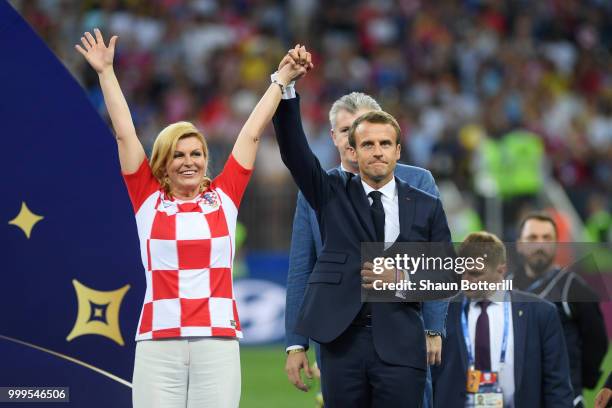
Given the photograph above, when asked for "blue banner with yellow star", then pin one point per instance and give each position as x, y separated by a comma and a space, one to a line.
72, 281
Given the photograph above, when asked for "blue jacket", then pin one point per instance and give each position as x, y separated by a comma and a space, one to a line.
541, 367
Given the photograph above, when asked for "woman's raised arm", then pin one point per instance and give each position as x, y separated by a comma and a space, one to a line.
245, 148
100, 57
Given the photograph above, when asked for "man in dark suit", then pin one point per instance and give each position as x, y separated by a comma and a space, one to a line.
306, 243
514, 335
372, 354
583, 323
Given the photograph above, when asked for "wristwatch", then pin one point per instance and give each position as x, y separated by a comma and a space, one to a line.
277, 82
432, 333
288, 91
296, 350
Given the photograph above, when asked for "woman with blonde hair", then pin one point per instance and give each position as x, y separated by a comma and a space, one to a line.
187, 350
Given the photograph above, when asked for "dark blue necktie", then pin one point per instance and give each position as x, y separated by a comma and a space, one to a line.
378, 215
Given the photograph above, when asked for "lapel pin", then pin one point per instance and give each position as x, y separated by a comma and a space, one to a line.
520, 313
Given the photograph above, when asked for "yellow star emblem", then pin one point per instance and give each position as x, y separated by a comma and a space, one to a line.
25, 220
98, 312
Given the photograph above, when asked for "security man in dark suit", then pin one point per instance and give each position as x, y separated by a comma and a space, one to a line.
583, 324
373, 354
503, 348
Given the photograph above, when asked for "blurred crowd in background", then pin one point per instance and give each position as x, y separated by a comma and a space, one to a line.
499, 99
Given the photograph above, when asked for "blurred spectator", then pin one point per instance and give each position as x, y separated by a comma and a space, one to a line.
599, 221
506, 69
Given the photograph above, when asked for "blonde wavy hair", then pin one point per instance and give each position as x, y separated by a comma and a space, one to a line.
165, 146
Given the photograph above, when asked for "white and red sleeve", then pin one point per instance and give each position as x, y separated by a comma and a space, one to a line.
233, 180
141, 184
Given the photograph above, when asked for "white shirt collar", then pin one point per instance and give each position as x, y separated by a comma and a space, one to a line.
388, 190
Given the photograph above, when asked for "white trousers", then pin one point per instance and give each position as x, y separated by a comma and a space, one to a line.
195, 373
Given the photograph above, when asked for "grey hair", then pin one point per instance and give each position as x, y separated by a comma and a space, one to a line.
352, 103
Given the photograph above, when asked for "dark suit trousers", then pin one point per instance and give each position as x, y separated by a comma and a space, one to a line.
355, 377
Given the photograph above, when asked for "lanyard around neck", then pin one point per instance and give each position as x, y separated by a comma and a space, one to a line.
466, 332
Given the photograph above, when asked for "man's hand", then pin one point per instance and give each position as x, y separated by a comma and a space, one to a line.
603, 397
295, 363
368, 276
434, 350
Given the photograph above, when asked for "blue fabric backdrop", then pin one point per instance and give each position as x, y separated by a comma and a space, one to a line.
62, 163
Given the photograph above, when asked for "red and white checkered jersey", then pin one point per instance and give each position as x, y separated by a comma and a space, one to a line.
187, 250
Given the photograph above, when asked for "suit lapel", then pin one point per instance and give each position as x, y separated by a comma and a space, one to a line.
519, 325
359, 200
407, 209
360, 203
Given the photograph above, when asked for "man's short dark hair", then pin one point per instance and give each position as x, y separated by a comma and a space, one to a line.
482, 242
540, 216
380, 117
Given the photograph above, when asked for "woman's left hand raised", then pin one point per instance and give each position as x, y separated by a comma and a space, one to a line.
99, 56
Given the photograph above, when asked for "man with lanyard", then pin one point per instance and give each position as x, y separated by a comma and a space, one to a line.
583, 324
503, 348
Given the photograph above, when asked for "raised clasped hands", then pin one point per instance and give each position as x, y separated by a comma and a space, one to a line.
97, 54
295, 64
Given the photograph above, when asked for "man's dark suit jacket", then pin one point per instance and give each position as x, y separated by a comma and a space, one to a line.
541, 367
333, 296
